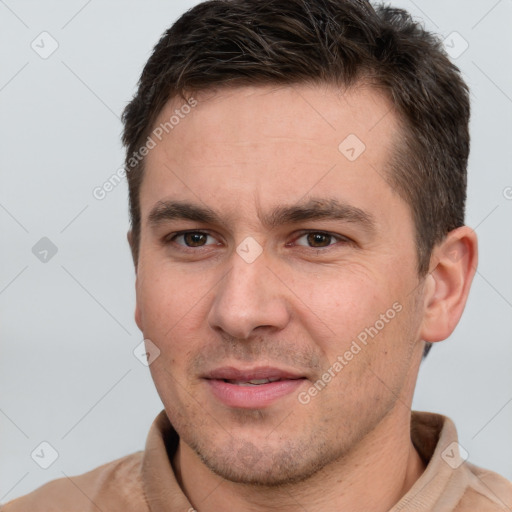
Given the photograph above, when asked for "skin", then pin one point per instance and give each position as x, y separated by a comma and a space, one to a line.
301, 303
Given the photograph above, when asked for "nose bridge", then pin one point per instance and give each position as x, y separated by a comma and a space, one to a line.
248, 297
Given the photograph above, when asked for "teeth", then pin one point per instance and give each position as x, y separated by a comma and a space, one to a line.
253, 382
259, 381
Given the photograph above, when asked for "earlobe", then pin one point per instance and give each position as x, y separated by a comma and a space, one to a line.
447, 285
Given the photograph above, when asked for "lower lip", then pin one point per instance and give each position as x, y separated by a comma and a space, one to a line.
252, 397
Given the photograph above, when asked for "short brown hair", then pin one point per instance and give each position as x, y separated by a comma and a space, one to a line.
339, 42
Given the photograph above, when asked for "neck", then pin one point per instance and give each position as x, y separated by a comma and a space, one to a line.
374, 476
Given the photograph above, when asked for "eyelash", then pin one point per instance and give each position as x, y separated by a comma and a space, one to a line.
340, 238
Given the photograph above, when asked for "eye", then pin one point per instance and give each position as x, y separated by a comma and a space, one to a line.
192, 239
319, 239
311, 239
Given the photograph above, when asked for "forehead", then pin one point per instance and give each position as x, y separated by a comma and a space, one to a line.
320, 111
271, 145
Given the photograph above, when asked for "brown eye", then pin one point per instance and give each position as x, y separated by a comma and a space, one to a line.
195, 239
192, 239
318, 239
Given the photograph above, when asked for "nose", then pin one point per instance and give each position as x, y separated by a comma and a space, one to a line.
249, 298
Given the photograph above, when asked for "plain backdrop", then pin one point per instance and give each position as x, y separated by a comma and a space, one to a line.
68, 375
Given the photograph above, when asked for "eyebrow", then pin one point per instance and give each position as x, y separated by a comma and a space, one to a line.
313, 209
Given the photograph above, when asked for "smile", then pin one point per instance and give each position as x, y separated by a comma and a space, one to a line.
254, 388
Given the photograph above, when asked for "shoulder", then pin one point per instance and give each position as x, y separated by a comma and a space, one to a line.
487, 491
114, 486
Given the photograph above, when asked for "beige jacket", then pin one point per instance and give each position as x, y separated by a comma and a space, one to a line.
145, 481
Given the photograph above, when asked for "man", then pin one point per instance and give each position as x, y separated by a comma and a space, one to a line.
297, 176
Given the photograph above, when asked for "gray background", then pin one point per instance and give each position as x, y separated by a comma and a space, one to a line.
67, 372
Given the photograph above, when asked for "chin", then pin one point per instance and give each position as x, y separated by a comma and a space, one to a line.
243, 462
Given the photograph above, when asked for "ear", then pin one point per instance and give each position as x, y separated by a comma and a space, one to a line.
129, 237
138, 319
453, 264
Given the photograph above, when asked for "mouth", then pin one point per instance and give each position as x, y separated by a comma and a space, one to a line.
253, 382
254, 388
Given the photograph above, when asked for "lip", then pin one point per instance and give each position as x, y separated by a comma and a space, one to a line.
260, 372
252, 397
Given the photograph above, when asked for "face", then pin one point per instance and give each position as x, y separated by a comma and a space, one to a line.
277, 277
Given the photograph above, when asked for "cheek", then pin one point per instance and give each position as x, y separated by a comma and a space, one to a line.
173, 309
343, 299
165, 295
360, 315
